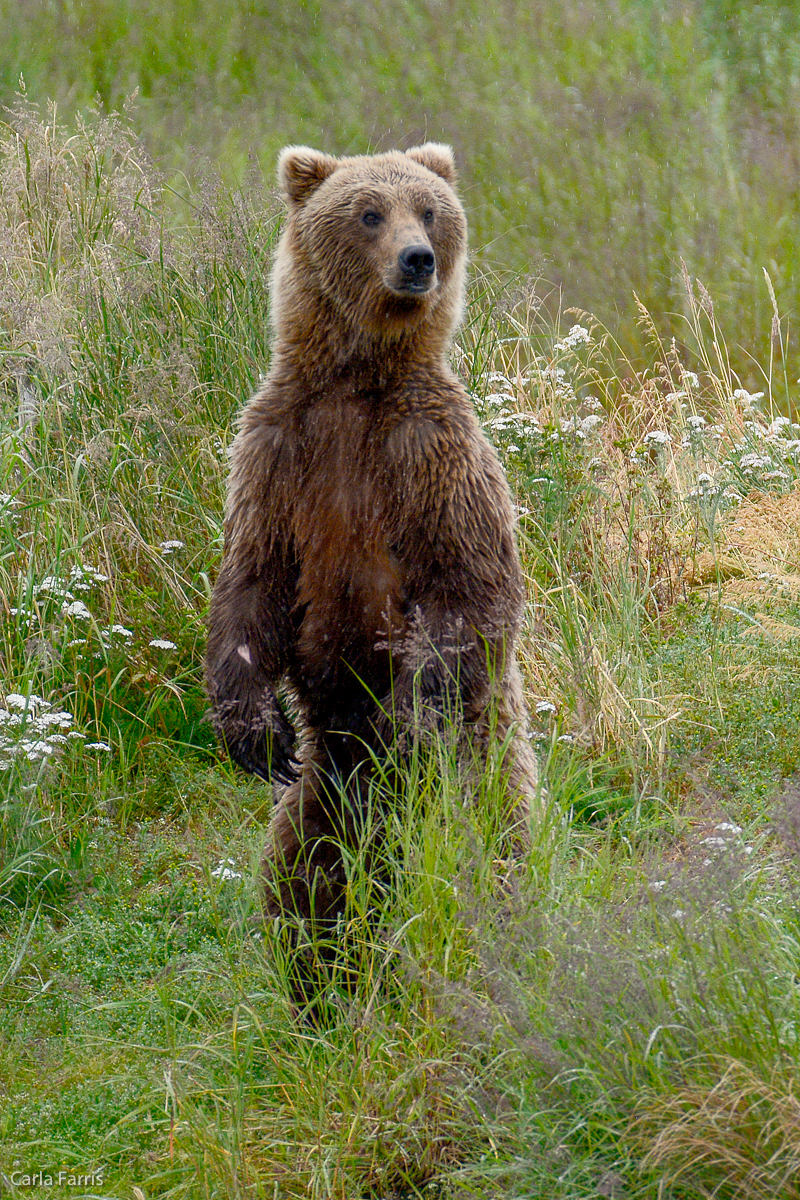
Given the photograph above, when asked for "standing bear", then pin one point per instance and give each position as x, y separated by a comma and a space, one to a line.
371, 587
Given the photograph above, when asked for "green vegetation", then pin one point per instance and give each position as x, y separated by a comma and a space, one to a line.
599, 143
616, 1014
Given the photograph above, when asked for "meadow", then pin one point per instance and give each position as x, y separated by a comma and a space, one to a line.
599, 143
617, 1013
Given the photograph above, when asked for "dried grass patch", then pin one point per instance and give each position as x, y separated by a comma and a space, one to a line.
741, 1135
759, 556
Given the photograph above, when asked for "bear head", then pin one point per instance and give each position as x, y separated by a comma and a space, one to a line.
373, 251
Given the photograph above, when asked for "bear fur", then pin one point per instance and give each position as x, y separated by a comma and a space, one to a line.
370, 583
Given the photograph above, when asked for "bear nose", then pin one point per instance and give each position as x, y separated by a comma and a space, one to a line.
418, 261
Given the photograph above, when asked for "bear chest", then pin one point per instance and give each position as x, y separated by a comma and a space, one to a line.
350, 587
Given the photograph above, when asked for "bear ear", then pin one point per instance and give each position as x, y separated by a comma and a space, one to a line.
437, 158
301, 170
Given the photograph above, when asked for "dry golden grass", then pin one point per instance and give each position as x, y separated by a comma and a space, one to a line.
738, 1137
760, 547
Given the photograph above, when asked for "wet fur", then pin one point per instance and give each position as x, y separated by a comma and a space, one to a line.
370, 562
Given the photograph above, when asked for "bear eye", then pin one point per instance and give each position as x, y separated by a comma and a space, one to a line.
371, 217
427, 216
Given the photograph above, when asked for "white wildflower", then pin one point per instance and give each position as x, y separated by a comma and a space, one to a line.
755, 462
571, 425
515, 421
745, 397
695, 421
76, 609
499, 399
675, 397
88, 573
591, 423
577, 336
62, 719
120, 631
226, 870
34, 751
97, 746
690, 379
657, 437
171, 546
545, 706
657, 885
53, 585
162, 644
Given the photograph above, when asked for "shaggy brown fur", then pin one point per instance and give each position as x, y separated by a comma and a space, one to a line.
370, 571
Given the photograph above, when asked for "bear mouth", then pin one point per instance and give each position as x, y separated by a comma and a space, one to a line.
417, 288
412, 287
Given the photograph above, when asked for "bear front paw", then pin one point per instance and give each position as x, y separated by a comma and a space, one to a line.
267, 754
262, 743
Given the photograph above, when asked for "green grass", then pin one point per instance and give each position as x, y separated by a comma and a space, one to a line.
615, 1012
599, 144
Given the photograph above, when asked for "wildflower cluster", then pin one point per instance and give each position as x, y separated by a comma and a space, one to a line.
525, 438
70, 649
56, 610
721, 466
32, 730
546, 712
767, 455
225, 871
58, 615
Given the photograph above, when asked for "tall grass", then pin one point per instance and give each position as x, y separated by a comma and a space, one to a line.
614, 1013
599, 144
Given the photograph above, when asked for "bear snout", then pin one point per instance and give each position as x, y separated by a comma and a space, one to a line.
416, 268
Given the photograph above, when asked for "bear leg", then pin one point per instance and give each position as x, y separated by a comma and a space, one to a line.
305, 882
304, 872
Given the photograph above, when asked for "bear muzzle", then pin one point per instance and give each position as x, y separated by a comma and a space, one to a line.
415, 270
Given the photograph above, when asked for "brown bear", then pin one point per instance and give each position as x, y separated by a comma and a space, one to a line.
371, 586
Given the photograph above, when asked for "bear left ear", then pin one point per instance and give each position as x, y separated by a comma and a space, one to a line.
437, 158
301, 170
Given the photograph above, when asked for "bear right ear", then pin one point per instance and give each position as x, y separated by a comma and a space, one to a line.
437, 158
301, 170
